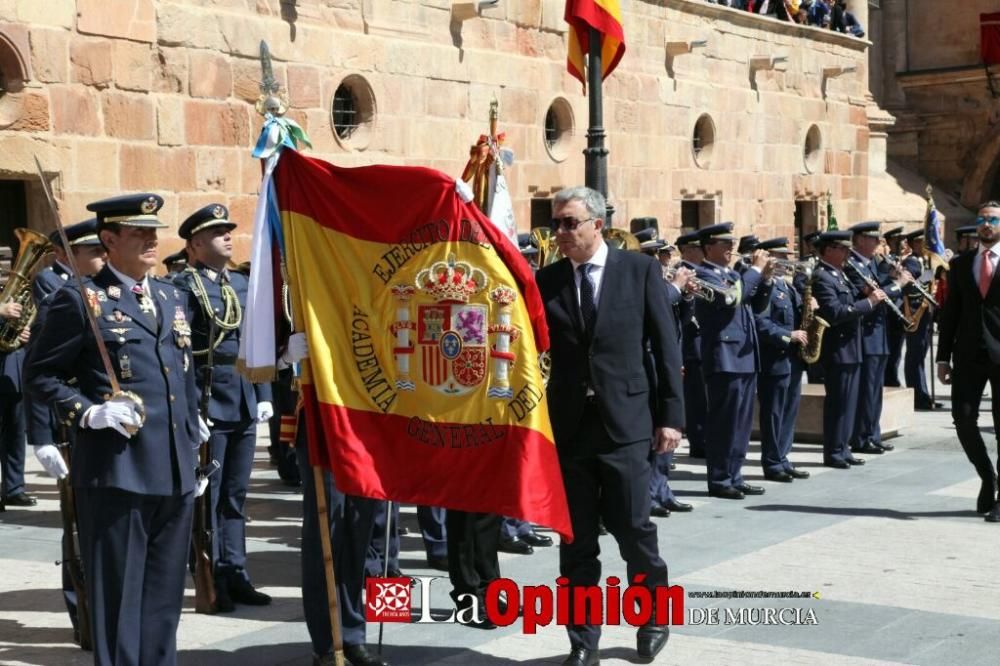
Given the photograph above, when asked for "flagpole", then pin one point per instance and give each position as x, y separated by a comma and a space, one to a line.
595, 154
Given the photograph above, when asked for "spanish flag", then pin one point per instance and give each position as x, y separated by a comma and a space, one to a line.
424, 326
606, 17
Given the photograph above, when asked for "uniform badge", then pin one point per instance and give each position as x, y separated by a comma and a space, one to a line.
102, 297
95, 305
120, 332
126, 366
182, 329
163, 296
211, 274
115, 292
781, 295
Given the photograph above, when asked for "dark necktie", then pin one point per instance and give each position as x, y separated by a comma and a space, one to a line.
145, 304
587, 306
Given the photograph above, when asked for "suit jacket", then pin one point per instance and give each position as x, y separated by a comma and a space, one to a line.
839, 306
969, 323
233, 397
154, 362
775, 324
632, 311
728, 332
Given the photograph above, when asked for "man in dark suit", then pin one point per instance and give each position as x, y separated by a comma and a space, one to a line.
236, 406
134, 455
603, 307
970, 337
44, 431
840, 305
779, 385
730, 358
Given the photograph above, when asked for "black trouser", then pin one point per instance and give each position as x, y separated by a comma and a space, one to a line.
135, 551
12, 443
968, 381
608, 481
473, 540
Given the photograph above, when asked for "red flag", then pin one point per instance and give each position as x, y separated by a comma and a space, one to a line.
606, 17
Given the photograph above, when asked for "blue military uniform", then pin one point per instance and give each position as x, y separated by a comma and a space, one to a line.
867, 435
918, 341
730, 360
780, 380
893, 325
232, 409
175, 263
43, 427
841, 355
695, 395
134, 495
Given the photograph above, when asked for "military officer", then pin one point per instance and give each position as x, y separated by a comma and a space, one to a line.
841, 354
44, 431
968, 240
778, 386
814, 372
214, 299
730, 358
893, 325
695, 397
746, 245
134, 456
918, 309
12, 418
862, 271
175, 263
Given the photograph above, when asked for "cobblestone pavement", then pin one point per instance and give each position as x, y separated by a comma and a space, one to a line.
904, 571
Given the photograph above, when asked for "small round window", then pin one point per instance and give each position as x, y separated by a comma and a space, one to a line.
352, 113
558, 129
812, 150
703, 141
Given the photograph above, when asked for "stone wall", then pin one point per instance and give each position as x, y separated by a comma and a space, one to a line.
157, 95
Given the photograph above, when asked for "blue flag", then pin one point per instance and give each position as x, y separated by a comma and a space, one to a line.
932, 228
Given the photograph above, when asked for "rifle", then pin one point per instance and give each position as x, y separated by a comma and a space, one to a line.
202, 536
71, 553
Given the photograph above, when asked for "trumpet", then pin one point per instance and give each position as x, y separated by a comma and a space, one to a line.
696, 287
708, 291
926, 295
908, 325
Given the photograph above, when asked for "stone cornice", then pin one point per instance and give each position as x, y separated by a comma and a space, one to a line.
942, 77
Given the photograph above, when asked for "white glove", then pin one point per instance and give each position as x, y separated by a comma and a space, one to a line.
119, 414
52, 461
264, 412
203, 431
297, 349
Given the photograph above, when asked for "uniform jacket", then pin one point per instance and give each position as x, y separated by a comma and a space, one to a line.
41, 424
969, 323
233, 397
631, 312
875, 324
781, 316
153, 362
728, 332
840, 307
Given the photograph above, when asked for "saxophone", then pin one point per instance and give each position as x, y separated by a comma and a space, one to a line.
33, 248
812, 324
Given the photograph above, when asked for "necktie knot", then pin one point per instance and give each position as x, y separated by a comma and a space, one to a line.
584, 269
137, 289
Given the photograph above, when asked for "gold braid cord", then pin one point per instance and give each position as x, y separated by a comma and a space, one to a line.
232, 315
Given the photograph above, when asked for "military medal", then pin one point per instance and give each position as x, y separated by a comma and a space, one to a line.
182, 329
114, 292
92, 301
126, 366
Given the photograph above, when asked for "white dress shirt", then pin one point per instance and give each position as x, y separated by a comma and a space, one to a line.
597, 263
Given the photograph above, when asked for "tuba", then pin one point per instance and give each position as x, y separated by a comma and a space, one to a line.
34, 247
548, 249
813, 325
621, 239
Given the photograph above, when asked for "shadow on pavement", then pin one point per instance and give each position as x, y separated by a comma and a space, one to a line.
863, 511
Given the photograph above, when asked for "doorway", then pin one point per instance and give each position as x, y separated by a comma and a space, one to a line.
806, 221
697, 215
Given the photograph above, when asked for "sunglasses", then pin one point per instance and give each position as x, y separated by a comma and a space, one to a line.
568, 223
992, 220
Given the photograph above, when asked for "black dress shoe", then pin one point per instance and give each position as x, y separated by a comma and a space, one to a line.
994, 515
781, 477
358, 655
797, 473
747, 489
868, 447
986, 496
437, 563
677, 506
20, 499
223, 601
243, 592
650, 639
582, 657
855, 461
886, 446
536, 540
657, 511
726, 493
837, 464
516, 546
